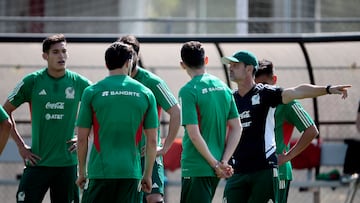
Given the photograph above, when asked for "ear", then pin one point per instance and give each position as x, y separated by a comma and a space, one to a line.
274, 78
182, 65
206, 60
45, 56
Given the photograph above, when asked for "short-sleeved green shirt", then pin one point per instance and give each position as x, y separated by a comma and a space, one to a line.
54, 104
296, 115
164, 98
207, 102
3, 114
118, 107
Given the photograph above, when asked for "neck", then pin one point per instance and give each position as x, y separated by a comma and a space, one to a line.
245, 86
134, 71
56, 73
118, 71
195, 72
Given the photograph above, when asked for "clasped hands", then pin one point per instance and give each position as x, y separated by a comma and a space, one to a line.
223, 170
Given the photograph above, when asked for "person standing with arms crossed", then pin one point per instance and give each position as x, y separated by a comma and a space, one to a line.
286, 117
118, 108
208, 114
53, 94
5, 127
164, 100
254, 161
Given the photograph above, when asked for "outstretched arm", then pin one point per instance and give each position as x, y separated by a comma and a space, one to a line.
311, 91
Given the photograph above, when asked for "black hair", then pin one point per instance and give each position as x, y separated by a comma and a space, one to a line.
131, 40
52, 40
265, 68
193, 54
117, 55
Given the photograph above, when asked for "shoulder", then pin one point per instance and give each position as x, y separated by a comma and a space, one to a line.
77, 76
31, 77
149, 77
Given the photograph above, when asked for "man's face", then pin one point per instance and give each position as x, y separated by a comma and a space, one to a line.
237, 71
57, 56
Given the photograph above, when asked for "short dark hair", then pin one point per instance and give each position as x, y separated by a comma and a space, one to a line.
193, 54
117, 54
53, 39
131, 40
265, 68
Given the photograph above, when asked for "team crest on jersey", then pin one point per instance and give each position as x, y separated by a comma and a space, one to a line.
69, 93
255, 99
21, 196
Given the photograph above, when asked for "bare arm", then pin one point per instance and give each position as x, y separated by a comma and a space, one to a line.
224, 170
5, 127
150, 155
200, 144
82, 145
174, 125
235, 130
308, 135
24, 149
311, 91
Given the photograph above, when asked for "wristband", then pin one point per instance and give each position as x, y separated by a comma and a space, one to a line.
328, 89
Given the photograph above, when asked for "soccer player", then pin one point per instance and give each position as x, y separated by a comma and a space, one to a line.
286, 117
118, 108
5, 126
254, 160
164, 100
208, 114
53, 94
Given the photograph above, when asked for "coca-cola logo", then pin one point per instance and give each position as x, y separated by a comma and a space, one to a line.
57, 105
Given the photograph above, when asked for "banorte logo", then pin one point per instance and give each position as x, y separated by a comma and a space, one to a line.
57, 105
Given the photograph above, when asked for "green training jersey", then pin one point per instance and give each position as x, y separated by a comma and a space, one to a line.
207, 102
3, 114
118, 107
296, 115
164, 98
54, 104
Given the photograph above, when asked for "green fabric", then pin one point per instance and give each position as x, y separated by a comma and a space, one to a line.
111, 190
262, 187
198, 189
164, 98
118, 107
207, 102
53, 105
35, 182
3, 114
241, 56
294, 114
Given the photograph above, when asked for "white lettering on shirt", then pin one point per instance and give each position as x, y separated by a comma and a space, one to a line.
116, 93
54, 116
57, 105
212, 89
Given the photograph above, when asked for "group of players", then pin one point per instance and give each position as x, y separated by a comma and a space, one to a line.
227, 134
